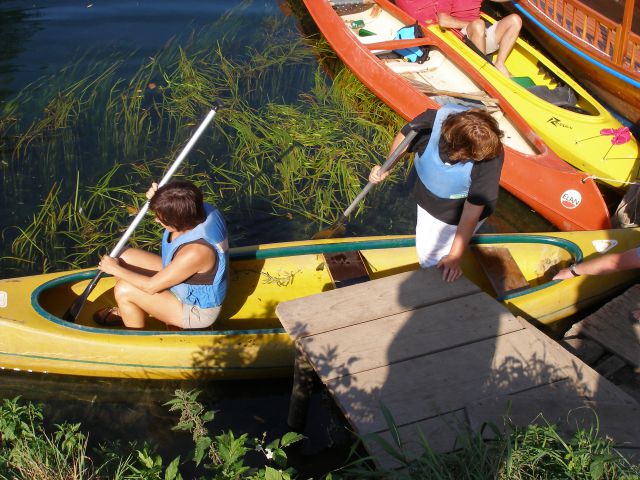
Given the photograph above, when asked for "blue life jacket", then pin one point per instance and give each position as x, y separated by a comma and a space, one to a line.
412, 54
444, 180
214, 231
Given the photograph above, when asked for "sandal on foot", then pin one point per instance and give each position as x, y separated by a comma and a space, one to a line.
108, 317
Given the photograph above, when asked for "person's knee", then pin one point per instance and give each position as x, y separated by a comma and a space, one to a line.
475, 28
123, 291
129, 255
514, 21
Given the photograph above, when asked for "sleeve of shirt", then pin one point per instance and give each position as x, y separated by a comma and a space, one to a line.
485, 181
426, 120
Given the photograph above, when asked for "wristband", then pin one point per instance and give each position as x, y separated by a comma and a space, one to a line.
572, 269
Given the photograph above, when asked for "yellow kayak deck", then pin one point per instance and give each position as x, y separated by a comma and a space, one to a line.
247, 341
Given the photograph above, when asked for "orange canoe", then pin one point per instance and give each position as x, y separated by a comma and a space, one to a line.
563, 195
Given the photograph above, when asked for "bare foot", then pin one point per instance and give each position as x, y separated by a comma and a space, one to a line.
502, 69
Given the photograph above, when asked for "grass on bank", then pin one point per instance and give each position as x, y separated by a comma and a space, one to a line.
28, 450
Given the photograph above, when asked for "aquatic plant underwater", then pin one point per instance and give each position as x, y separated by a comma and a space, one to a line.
102, 134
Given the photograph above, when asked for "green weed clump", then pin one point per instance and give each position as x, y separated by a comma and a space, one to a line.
29, 451
531, 452
104, 137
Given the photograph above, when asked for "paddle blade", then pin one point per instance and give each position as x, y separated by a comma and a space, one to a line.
333, 232
73, 313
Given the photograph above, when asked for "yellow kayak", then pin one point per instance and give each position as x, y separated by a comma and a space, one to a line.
585, 135
248, 341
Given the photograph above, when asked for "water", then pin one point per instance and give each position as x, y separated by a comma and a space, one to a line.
38, 39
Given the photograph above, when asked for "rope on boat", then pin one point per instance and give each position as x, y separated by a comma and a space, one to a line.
605, 179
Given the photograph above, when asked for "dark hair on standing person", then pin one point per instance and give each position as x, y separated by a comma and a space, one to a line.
472, 135
179, 205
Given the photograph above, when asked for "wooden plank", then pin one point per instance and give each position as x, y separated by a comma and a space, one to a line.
501, 269
346, 268
612, 327
608, 419
407, 335
592, 385
375, 299
445, 381
440, 433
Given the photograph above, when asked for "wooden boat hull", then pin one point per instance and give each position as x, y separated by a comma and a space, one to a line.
617, 87
532, 172
248, 341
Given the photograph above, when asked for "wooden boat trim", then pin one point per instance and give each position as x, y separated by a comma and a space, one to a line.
258, 254
613, 71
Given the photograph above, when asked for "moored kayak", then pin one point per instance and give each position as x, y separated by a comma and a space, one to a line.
248, 342
532, 171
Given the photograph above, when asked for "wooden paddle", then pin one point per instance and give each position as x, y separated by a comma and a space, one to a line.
72, 314
426, 88
338, 227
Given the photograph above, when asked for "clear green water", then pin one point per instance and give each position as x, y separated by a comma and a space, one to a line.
53, 42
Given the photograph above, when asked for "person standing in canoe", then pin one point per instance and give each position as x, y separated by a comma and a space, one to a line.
459, 157
186, 285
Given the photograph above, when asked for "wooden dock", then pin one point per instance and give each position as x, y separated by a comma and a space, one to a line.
441, 357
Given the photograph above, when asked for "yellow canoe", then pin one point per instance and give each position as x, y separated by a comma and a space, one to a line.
248, 341
587, 136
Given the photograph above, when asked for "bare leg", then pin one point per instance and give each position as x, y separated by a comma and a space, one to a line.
476, 32
507, 31
134, 305
141, 261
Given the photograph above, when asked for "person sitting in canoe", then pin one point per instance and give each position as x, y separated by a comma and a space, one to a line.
465, 15
500, 37
459, 157
186, 285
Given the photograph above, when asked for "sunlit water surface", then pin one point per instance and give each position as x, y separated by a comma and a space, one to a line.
38, 39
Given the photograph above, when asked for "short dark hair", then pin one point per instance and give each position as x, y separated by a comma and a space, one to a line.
472, 135
178, 205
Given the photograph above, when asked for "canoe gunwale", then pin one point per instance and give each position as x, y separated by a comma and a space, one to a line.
255, 253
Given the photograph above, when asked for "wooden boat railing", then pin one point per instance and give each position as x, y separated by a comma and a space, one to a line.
614, 41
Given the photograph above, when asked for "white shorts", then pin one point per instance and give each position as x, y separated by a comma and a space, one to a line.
491, 43
433, 238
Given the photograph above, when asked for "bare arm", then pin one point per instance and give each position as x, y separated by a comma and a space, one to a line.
612, 262
450, 264
190, 259
447, 21
374, 175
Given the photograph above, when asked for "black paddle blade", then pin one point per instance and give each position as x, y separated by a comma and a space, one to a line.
73, 313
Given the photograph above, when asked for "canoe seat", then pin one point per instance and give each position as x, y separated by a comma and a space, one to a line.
346, 268
501, 269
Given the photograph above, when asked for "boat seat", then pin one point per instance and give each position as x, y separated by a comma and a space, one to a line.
346, 268
501, 269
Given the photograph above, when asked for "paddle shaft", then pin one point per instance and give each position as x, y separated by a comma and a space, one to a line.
387, 165
167, 176
73, 312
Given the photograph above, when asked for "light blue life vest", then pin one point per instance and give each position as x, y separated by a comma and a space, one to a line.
214, 231
412, 54
444, 180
